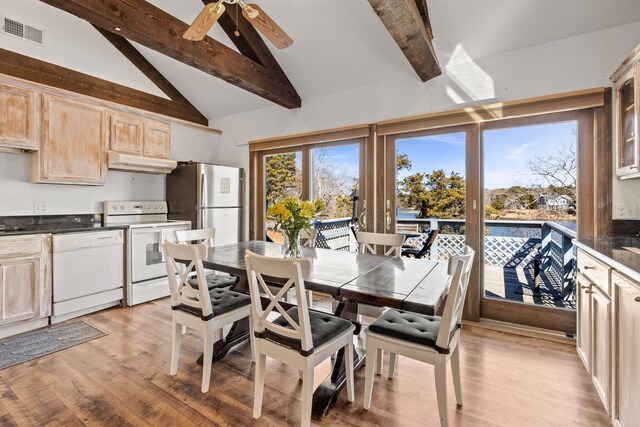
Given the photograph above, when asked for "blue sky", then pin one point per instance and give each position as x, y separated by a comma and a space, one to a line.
506, 152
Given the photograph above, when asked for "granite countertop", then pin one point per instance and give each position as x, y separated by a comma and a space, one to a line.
622, 253
52, 224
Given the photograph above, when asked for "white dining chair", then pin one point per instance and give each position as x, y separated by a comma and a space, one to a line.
367, 242
430, 339
200, 308
206, 236
299, 337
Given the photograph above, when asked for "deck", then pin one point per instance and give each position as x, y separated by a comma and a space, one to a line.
516, 284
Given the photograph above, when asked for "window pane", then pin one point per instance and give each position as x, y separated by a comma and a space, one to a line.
335, 175
530, 192
430, 176
283, 178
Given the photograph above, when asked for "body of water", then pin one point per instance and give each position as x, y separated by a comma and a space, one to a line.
500, 231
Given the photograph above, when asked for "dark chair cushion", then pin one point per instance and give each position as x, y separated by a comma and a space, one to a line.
405, 325
324, 327
215, 281
222, 301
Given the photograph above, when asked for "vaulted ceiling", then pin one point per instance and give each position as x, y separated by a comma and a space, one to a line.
340, 44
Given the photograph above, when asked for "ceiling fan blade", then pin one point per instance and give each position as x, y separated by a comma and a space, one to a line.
204, 21
267, 26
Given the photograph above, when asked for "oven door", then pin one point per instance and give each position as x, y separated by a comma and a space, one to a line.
147, 260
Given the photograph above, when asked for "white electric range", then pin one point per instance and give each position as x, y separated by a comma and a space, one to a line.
147, 227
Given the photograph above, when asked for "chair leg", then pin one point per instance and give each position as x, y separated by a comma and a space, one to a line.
252, 339
175, 347
392, 364
441, 389
207, 360
370, 363
307, 396
455, 370
351, 394
379, 361
258, 386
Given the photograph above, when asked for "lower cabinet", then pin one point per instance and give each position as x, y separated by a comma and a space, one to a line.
626, 358
25, 283
601, 338
583, 336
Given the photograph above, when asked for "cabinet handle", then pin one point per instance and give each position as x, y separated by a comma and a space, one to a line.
588, 292
585, 287
637, 299
588, 267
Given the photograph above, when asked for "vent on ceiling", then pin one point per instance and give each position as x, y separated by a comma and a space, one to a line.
22, 31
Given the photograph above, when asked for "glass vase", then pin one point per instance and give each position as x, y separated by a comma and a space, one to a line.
292, 244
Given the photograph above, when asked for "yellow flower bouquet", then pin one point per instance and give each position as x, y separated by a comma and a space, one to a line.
292, 215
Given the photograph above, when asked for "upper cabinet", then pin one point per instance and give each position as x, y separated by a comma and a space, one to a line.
627, 93
130, 134
17, 119
73, 143
157, 139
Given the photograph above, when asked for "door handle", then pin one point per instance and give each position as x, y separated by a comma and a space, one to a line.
387, 216
362, 219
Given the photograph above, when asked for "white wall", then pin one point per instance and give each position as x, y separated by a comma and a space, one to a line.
575, 63
17, 195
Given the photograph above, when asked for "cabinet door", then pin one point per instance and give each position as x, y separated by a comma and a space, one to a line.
73, 143
601, 339
157, 139
25, 278
17, 118
627, 123
584, 321
626, 325
125, 133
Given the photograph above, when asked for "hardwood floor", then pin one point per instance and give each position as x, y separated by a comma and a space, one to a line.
123, 379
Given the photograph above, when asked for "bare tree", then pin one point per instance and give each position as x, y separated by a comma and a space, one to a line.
557, 169
330, 182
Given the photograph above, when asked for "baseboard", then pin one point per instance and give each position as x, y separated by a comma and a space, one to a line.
522, 330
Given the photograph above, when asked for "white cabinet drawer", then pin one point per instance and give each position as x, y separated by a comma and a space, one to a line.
594, 270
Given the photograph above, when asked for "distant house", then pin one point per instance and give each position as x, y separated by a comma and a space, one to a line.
559, 203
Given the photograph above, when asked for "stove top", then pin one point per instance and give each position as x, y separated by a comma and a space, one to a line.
134, 213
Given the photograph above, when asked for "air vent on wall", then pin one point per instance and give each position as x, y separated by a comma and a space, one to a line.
22, 31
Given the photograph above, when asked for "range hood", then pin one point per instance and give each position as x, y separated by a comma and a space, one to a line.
130, 162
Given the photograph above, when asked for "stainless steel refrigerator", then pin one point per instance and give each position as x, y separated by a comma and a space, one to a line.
208, 196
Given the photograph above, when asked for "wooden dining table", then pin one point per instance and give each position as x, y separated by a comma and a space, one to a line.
349, 277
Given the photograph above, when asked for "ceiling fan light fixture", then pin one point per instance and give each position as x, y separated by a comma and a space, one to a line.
251, 12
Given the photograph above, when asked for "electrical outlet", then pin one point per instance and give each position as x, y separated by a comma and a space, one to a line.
625, 211
40, 208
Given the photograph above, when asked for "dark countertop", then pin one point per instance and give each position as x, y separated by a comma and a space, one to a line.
52, 224
613, 251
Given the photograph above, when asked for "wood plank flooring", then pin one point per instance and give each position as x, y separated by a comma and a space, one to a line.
122, 380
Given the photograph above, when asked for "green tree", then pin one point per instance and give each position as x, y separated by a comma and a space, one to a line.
402, 162
498, 201
282, 177
434, 195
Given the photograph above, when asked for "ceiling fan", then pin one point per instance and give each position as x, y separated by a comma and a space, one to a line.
252, 12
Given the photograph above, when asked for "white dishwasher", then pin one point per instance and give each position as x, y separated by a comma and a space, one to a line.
88, 272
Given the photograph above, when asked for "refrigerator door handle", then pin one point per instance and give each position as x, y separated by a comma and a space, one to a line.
203, 186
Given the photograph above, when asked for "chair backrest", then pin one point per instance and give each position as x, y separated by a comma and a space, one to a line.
310, 236
205, 235
179, 275
431, 237
291, 270
460, 268
367, 240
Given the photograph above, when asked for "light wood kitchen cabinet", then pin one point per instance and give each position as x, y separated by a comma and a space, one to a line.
157, 139
626, 366
126, 133
601, 344
583, 306
17, 119
627, 94
73, 147
25, 282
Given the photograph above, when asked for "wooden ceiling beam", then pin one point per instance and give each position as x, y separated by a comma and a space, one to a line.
407, 26
142, 64
27, 68
143, 23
